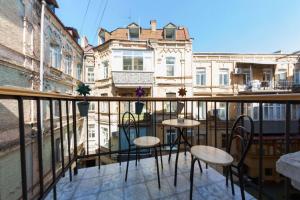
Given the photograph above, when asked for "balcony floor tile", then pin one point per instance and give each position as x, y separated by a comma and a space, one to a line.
108, 182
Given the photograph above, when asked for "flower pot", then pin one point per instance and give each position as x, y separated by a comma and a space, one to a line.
83, 108
139, 107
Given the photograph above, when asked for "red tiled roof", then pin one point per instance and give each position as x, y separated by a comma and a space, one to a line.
145, 34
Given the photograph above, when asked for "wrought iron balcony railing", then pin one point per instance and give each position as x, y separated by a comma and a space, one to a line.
64, 146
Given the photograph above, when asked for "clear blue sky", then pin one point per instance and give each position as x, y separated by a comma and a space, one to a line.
216, 25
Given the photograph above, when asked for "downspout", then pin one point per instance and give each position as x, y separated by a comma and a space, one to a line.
42, 58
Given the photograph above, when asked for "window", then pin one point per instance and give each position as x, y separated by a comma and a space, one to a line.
282, 74
105, 69
57, 150
170, 106
267, 75
55, 56
91, 131
133, 60
104, 104
253, 111
201, 111
272, 111
134, 33
105, 136
90, 74
170, 65
201, 76
222, 111
247, 76
170, 33
171, 136
223, 77
297, 76
79, 71
68, 64
295, 112
92, 107
56, 109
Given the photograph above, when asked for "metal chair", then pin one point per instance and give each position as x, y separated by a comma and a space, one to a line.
128, 124
243, 136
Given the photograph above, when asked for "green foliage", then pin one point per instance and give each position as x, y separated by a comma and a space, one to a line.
83, 89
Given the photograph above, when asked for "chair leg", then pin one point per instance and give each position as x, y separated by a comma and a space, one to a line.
161, 160
136, 156
176, 161
185, 143
226, 174
241, 180
192, 178
171, 147
200, 166
127, 164
157, 167
231, 180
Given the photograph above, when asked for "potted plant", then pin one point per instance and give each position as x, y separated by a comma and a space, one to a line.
139, 105
83, 106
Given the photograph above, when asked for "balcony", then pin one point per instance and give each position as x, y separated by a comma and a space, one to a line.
108, 182
50, 158
257, 86
132, 79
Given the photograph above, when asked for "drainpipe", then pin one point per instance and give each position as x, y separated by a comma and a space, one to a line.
42, 57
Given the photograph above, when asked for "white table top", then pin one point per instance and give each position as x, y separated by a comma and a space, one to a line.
212, 155
187, 123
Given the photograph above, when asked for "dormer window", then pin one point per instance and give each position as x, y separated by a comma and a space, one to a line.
134, 31
170, 34
170, 31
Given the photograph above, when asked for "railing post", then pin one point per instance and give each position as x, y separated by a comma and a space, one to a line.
22, 148
261, 151
75, 135
215, 123
206, 127
52, 147
68, 135
198, 111
87, 134
40, 149
287, 143
227, 121
61, 137
109, 129
99, 145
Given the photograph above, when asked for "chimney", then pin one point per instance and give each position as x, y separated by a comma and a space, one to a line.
153, 25
84, 42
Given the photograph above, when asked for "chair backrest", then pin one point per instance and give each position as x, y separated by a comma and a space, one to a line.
128, 124
243, 135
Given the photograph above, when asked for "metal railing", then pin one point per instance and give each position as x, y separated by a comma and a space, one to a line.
207, 133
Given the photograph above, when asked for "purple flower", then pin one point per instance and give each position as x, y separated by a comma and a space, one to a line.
139, 92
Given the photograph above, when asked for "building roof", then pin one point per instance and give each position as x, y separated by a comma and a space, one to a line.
145, 33
52, 2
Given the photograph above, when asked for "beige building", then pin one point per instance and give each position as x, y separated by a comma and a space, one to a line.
162, 61
20, 57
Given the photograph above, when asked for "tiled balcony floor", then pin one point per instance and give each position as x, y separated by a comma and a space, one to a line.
108, 182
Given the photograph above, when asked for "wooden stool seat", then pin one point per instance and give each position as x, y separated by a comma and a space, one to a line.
146, 141
212, 155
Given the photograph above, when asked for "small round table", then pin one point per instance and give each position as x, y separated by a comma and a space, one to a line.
187, 123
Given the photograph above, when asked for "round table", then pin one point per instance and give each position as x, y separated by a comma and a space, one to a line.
187, 123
